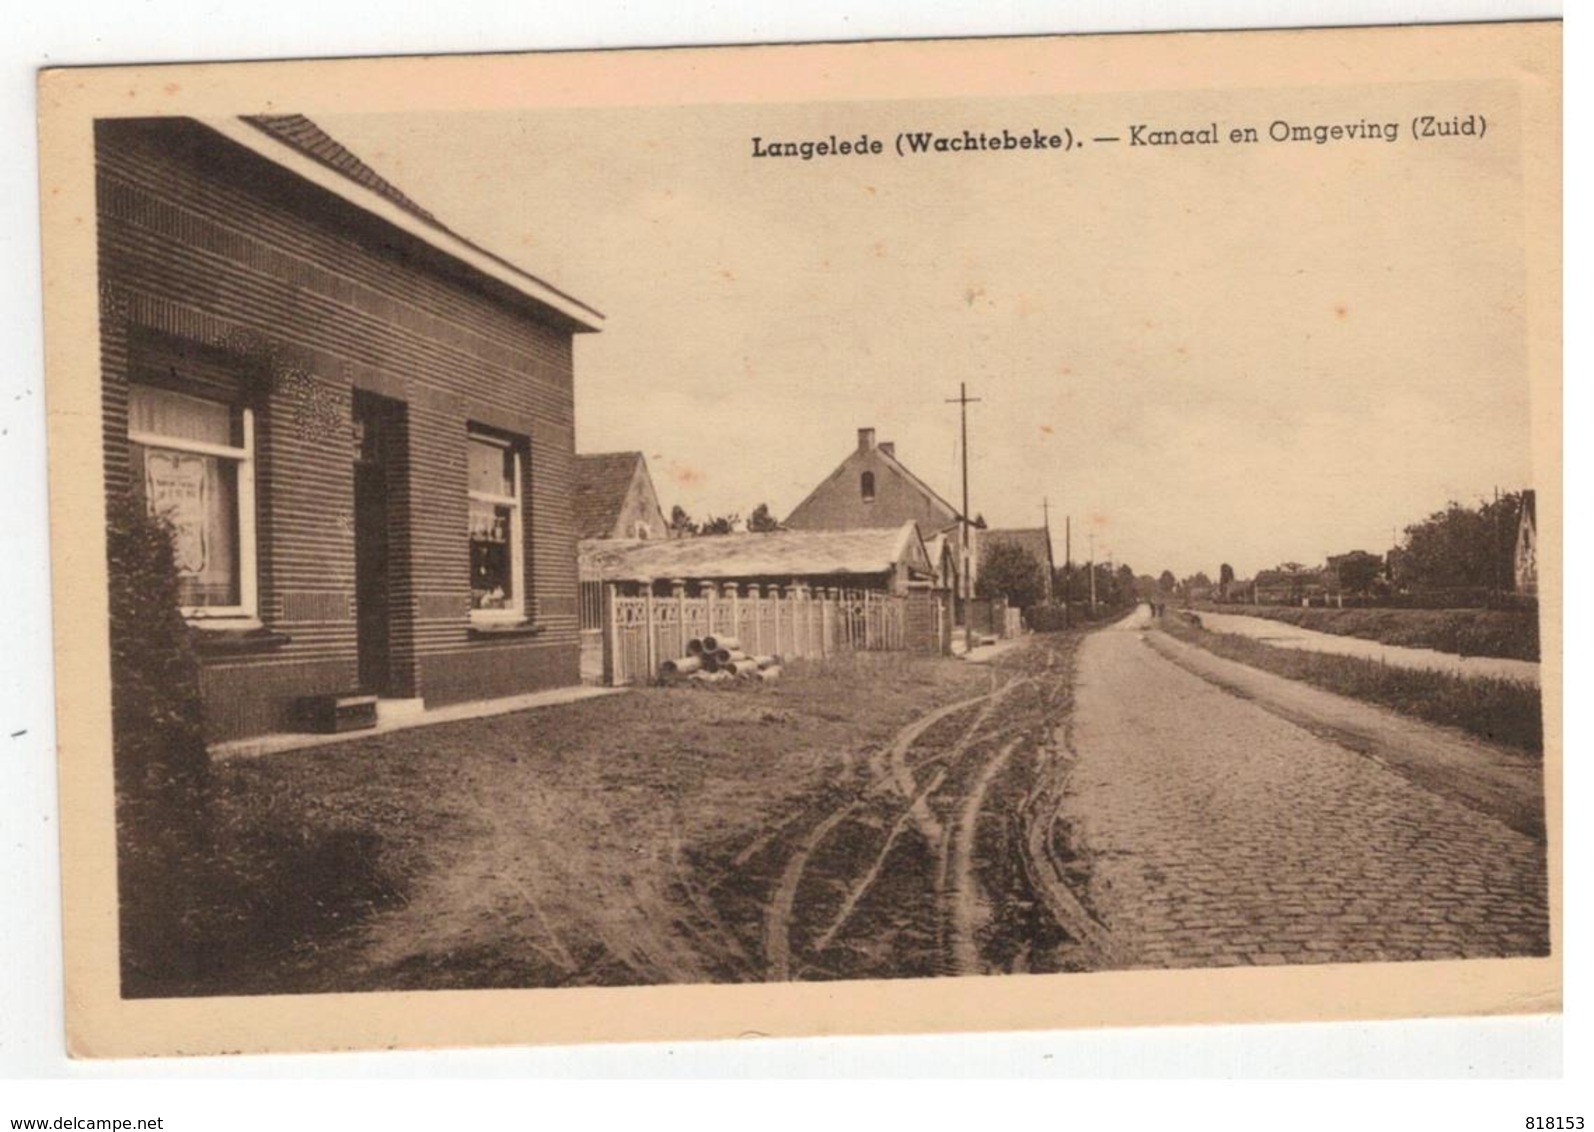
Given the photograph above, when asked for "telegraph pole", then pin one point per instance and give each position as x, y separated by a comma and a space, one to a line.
1046, 525
1068, 571
1093, 575
963, 401
1494, 545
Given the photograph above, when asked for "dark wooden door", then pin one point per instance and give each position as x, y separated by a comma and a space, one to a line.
372, 587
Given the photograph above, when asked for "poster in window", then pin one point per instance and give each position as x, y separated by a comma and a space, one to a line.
175, 484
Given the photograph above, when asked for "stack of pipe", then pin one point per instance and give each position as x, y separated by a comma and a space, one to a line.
709, 679
757, 668
725, 661
680, 666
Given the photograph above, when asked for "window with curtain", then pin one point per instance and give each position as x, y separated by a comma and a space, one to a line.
497, 589
193, 464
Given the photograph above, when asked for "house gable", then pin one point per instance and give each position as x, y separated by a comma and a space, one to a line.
641, 516
614, 498
871, 488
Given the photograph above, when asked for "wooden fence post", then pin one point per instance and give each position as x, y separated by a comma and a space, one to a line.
651, 627
793, 594
678, 585
611, 635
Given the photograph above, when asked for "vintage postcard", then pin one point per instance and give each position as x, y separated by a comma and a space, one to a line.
865, 538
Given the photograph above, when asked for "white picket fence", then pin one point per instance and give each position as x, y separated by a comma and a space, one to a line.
640, 633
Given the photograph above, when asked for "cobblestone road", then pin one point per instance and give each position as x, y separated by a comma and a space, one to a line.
1218, 834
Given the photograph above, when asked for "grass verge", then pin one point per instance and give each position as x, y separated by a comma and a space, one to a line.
1500, 711
560, 846
1513, 635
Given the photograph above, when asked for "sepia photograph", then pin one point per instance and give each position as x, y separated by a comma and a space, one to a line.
766, 517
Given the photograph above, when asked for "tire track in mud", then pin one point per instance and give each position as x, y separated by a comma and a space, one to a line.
777, 921
1047, 871
850, 904
953, 817
892, 770
962, 896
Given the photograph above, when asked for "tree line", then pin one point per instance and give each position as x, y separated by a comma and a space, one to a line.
759, 521
1457, 548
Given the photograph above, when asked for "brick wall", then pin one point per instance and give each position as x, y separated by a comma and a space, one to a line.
839, 504
927, 622
215, 260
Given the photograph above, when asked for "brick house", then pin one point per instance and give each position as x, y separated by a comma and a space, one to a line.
871, 488
360, 424
615, 498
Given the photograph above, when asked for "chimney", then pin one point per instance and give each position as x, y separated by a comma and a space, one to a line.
889, 447
865, 439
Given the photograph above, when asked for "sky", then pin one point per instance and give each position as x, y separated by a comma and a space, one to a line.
1235, 353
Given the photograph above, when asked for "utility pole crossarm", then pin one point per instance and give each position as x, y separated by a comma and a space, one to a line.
963, 401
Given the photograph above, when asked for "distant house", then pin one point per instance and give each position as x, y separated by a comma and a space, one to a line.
880, 583
1037, 541
890, 560
872, 489
1525, 560
358, 424
1294, 584
614, 498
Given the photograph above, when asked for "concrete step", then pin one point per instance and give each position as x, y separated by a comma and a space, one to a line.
389, 712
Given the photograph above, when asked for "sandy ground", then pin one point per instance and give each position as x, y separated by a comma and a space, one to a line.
1286, 636
875, 816
1218, 833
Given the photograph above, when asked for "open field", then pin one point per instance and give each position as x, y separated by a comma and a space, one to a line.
875, 816
1501, 711
1466, 632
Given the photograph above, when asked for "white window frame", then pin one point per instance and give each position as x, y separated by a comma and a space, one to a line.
516, 612
244, 615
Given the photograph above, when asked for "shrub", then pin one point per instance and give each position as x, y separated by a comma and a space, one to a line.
208, 880
157, 742
158, 739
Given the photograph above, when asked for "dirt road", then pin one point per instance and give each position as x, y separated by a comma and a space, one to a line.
941, 857
1217, 833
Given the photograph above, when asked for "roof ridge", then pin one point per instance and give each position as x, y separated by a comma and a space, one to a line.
903, 468
302, 135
